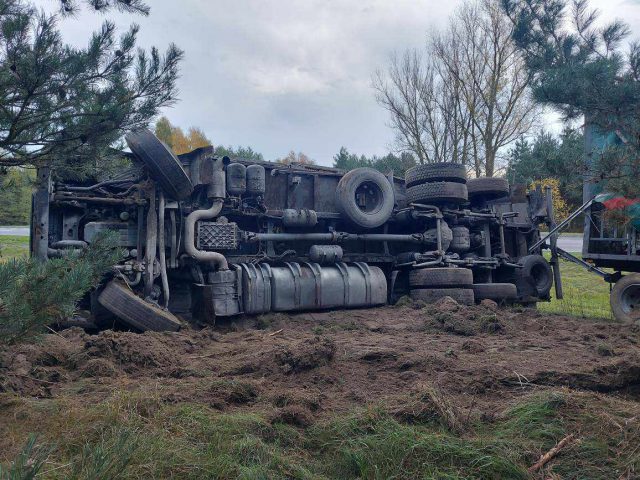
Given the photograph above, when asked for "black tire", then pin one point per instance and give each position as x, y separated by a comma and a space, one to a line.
436, 172
441, 277
437, 192
133, 310
537, 271
365, 197
163, 165
625, 299
488, 188
498, 292
463, 296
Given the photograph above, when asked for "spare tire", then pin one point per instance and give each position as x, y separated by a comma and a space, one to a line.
441, 277
365, 197
163, 165
434, 172
498, 292
120, 300
463, 296
625, 298
437, 192
538, 270
489, 188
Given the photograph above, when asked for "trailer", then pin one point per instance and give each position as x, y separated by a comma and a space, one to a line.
607, 243
208, 238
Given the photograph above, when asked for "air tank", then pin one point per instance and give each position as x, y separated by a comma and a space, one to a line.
326, 253
256, 180
299, 218
236, 179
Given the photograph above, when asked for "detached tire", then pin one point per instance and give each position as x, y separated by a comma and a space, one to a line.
133, 310
538, 270
163, 165
437, 192
463, 296
498, 292
365, 197
436, 172
625, 298
487, 188
441, 277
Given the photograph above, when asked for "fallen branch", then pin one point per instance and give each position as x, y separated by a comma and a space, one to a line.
544, 459
276, 332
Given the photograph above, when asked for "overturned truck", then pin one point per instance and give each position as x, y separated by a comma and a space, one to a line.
205, 238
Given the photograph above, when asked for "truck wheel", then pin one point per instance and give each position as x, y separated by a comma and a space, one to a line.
538, 270
163, 165
498, 292
441, 277
463, 296
437, 192
365, 197
434, 172
487, 188
625, 298
133, 310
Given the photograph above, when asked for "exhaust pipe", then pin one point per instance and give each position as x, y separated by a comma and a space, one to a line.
217, 191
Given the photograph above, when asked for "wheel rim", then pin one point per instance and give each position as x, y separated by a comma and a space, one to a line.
368, 197
630, 300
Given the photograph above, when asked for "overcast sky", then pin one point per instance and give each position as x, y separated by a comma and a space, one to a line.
279, 75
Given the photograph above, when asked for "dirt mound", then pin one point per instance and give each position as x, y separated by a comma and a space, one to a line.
305, 355
132, 351
296, 368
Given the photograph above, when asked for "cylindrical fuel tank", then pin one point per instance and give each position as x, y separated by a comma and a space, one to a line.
309, 286
236, 179
325, 253
256, 180
256, 287
299, 218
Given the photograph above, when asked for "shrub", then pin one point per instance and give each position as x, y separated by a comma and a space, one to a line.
34, 293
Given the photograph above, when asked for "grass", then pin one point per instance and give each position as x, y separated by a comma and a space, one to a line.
585, 294
134, 436
13, 246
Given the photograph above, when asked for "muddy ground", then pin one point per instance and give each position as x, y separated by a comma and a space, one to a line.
301, 367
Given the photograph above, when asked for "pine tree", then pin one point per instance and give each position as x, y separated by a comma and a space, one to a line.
34, 294
66, 106
581, 68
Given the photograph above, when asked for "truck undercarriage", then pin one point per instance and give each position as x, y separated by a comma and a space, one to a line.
206, 238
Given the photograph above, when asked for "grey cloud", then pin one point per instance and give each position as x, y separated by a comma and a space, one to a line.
282, 74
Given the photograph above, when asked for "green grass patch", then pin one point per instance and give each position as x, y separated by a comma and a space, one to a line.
136, 435
586, 295
13, 246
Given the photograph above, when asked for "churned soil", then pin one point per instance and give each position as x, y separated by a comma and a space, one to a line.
298, 368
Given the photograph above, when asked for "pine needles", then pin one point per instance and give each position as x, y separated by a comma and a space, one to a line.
34, 293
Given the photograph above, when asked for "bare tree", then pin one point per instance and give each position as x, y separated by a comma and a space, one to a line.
467, 97
424, 103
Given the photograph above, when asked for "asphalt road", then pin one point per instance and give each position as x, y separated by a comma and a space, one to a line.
20, 231
571, 242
